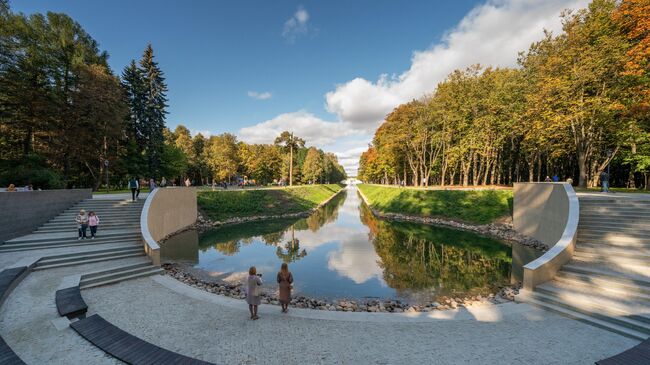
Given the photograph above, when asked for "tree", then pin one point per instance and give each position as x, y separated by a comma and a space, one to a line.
313, 169
290, 142
221, 156
154, 104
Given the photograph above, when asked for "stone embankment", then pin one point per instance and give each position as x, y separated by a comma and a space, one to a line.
203, 223
238, 291
501, 231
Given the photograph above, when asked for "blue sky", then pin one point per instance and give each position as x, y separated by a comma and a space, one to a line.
328, 70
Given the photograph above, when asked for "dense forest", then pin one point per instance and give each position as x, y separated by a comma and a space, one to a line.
67, 120
578, 102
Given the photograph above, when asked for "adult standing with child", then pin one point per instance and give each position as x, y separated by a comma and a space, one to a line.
82, 223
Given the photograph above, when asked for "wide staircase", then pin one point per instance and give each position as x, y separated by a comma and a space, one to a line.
118, 238
607, 283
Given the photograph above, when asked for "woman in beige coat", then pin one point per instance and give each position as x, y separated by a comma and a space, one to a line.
285, 279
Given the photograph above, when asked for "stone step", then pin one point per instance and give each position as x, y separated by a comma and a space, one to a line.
637, 222
102, 215
547, 302
40, 246
613, 225
613, 234
73, 227
63, 237
93, 260
599, 284
615, 251
630, 279
83, 256
620, 260
86, 282
598, 303
97, 273
126, 275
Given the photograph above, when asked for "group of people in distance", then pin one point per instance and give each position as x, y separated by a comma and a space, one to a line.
253, 292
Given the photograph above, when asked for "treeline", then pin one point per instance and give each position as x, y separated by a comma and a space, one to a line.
67, 120
579, 101
222, 158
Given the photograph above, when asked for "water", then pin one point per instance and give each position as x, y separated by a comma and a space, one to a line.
343, 251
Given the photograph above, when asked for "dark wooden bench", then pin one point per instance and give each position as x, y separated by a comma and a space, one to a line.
125, 346
69, 302
9, 278
637, 355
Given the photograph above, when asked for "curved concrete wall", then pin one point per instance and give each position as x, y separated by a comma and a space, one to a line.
21, 212
166, 211
550, 213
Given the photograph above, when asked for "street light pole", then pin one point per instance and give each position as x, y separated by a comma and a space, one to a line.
106, 168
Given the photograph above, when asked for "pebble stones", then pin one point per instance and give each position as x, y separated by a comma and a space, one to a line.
237, 291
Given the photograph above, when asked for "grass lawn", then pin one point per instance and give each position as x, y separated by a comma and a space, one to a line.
223, 204
472, 206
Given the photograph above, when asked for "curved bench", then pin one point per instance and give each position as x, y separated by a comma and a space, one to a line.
637, 355
126, 347
70, 303
9, 279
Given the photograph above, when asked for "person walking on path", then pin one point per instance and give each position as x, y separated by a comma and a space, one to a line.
93, 222
285, 279
163, 182
604, 181
82, 223
134, 186
152, 184
253, 291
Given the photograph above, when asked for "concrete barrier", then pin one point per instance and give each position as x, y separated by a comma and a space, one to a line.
22, 212
550, 213
166, 211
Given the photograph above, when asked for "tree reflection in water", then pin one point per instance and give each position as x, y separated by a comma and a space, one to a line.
417, 257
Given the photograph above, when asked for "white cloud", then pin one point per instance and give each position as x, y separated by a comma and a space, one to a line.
260, 96
297, 25
314, 130
490, 34
206, 133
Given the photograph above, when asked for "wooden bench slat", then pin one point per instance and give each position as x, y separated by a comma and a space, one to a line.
70, 303
126, 347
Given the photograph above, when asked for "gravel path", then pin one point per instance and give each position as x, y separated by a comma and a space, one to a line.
197, 326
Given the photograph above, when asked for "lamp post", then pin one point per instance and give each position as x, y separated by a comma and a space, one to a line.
106, 168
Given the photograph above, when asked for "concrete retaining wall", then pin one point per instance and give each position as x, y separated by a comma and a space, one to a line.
550, 213
166, 211
22, 212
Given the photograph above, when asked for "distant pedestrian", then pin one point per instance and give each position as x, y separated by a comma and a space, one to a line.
134, 185
163, 182
604, 181
93, 222
569, 180
253, 291
188, 183
11, 188
82, 223
285, 279
152, 184
548, 179
556, 178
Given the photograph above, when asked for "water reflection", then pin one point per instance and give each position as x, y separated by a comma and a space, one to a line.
343, 251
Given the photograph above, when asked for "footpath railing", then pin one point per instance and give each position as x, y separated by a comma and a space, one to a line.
549, 212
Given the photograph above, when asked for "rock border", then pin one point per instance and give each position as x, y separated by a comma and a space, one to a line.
238, 291
501, 231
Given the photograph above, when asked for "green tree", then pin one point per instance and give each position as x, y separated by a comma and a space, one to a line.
221, 156
313, 169
290, 143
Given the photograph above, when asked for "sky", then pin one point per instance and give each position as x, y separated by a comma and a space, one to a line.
330, 71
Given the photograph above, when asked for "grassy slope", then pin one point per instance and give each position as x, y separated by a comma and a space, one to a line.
221, 205
473, 206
